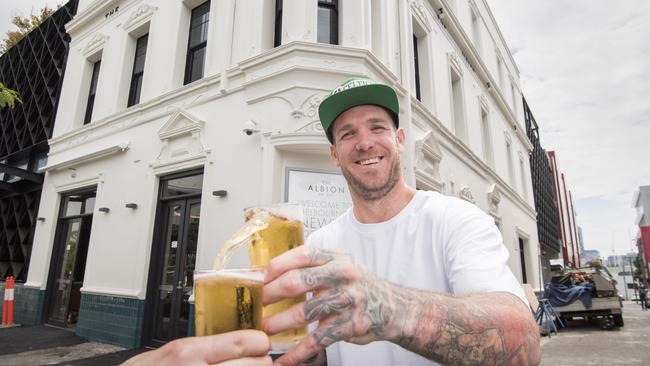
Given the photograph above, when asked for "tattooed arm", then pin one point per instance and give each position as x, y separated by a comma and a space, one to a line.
353, 305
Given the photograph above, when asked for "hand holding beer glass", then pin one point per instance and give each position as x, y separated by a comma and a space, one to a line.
231, 299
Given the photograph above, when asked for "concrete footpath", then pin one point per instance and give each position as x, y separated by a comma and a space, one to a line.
45, 345
584, 343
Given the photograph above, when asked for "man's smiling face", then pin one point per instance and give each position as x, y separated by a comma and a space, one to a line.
366, 148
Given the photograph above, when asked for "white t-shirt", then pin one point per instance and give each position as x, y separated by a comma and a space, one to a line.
437, 243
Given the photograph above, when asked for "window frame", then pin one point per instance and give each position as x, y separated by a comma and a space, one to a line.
192, 50
137, 76
92, 92
333, 7
277, 30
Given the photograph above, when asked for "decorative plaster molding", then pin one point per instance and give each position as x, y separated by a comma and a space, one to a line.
427, 161
483, 102
84, 158
494, 198
312, 127
520, 155
95, 45
454, 61
138, 17
465, 193
180, 139
421, 15
508, 137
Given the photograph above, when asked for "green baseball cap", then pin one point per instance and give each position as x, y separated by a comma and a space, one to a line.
354, 92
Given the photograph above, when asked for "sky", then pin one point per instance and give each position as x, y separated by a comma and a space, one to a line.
585, 73
9, 8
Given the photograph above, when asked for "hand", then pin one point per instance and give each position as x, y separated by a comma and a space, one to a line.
240, 348
349, 303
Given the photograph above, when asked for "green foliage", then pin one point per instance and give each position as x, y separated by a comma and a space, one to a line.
638, 264
8, 97
24, 25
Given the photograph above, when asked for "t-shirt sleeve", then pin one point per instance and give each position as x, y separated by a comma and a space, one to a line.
477, 259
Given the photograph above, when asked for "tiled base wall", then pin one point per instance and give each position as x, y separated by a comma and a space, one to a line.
28, 304
111, 319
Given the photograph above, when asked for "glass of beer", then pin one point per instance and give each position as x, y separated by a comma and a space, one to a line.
284, 232
228, 299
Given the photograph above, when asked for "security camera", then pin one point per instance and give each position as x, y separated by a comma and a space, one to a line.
250, 127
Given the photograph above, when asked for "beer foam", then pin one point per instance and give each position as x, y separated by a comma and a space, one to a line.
257, 276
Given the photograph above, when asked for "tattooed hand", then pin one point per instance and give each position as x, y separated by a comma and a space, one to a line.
353, 305
350, 303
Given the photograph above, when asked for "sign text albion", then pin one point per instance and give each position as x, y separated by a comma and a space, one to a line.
325, 189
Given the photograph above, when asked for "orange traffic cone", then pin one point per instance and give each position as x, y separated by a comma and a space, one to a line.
8, 304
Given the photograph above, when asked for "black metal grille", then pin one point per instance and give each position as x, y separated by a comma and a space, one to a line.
543, 187
33, 67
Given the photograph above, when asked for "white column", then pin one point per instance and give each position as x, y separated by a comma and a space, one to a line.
299, 20
220, 35
355, 24
166, 50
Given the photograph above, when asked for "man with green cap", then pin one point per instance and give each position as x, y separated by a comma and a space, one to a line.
404, 277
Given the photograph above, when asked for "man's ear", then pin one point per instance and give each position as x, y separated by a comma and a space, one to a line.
334, 155
400, 139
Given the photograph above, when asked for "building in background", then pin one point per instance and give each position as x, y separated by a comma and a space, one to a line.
641, 203
34, 67
544, 193
567, 227
182, 113
588, 255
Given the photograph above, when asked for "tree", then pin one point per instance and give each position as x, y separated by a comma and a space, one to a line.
25, 25
638, 264
8, 97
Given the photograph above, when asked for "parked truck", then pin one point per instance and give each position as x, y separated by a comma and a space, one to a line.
595, 283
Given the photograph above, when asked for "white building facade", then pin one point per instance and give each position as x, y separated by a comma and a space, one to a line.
175, 115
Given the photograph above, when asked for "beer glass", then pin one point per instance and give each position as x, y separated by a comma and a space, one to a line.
227, 300
284, 232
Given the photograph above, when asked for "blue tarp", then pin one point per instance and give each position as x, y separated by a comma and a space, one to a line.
561, 295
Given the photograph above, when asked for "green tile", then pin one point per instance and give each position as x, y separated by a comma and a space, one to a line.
111, 319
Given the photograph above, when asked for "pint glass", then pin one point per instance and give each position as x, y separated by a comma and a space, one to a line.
227, 300
284, 232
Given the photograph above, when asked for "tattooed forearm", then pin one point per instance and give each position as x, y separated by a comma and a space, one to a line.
478, 329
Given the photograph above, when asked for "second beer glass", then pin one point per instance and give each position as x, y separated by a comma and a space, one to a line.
284, 232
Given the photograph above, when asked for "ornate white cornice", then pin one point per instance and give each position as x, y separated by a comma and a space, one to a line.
84, 158
95, 44
421, 15
138, 17
465, 193
455, 63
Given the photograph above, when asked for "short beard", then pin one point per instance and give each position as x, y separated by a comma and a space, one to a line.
371, 193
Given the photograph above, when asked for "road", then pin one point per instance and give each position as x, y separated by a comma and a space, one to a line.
583, 343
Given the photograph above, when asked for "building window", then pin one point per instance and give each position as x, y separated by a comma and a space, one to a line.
277, 38
487, 139
138, 70
91, 94
328, 21
197, 43
476, 31
500, 72
511, 175
522, 259
416, 65
458, 111
522, 173
513, 92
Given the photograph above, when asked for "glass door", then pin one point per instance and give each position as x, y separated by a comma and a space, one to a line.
68, 263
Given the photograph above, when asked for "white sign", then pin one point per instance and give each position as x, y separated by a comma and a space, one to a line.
323, 196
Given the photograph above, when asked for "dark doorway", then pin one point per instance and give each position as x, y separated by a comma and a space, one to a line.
522, 258
68, 263
173, 258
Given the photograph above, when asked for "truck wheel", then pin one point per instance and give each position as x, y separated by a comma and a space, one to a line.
618, 320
